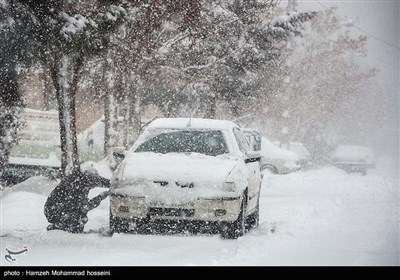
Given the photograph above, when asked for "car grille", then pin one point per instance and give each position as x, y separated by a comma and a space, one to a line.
171, 212
124, 209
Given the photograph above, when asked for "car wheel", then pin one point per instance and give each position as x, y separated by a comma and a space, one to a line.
233, 230
253, 220
118, 225
272, 168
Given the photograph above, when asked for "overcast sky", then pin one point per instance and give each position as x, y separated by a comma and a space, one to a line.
379, 21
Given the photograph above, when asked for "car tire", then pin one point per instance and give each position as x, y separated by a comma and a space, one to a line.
233, 230
253, 220
118, 225
272, 168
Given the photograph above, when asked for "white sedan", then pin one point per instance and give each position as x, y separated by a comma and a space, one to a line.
181, 169
353, 158
277, 160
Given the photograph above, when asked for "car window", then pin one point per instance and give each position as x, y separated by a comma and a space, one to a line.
243, 144
208, 142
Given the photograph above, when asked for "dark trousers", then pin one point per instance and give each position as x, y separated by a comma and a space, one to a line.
68, 222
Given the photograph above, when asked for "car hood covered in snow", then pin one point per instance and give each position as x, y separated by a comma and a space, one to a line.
174, 176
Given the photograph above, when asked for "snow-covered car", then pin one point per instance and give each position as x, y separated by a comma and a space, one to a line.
277, 160
187, 169
301, 151
254, 137
353, 158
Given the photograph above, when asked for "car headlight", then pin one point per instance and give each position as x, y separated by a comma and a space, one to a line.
229, 186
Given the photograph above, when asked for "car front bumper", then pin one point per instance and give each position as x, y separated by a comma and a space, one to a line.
203, 209
351, 166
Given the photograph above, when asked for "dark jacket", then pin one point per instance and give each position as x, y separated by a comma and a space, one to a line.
67, 206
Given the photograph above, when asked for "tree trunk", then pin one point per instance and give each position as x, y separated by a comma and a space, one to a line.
110, 109
136, 116
65, 73
111, 122
132, 117
127, 118
107, 122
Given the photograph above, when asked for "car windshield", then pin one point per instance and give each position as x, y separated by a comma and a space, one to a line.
207, 142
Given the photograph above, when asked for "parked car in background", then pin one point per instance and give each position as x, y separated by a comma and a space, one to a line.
187, 170
353, 158
301, 151
277, 160
254, 137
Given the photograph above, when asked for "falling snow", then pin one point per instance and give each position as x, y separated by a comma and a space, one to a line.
100, 79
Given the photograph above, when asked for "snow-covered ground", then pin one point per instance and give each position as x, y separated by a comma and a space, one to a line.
316, 217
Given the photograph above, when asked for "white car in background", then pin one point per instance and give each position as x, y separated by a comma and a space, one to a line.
277, 160
301, 151
182, 169
254, 138
353, 158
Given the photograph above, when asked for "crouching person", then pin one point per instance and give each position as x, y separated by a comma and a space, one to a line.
67, 206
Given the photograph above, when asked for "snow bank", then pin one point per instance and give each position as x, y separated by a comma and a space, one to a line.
330, 217
315, 217
22, 214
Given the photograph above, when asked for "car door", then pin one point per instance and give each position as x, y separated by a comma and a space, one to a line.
253, 168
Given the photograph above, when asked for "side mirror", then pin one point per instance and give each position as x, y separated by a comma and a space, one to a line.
252, 156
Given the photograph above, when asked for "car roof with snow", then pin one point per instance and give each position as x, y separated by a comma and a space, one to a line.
270, 150
196, 123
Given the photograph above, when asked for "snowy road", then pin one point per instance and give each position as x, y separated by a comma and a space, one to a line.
316, 217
